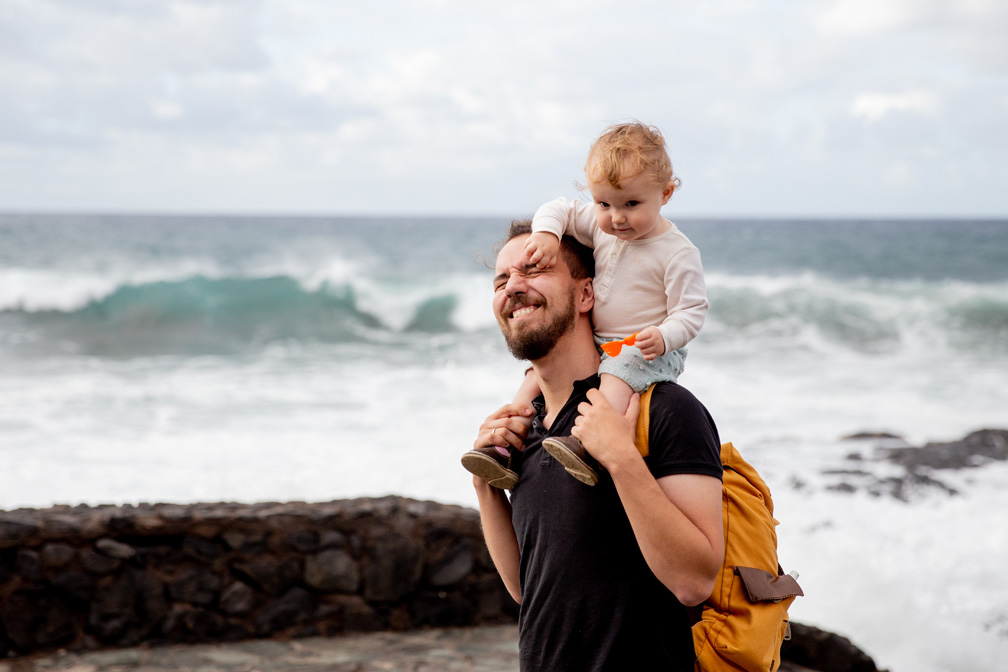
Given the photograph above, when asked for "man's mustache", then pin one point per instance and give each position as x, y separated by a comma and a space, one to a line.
519, 302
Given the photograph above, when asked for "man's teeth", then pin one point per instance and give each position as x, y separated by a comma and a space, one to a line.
522, 312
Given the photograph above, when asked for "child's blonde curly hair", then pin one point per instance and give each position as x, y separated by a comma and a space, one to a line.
627, 150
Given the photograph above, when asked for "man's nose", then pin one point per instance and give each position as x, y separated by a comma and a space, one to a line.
516, 284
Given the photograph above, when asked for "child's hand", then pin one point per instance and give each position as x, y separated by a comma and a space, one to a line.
651, 343
542, 248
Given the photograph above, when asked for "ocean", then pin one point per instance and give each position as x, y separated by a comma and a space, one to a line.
182, 359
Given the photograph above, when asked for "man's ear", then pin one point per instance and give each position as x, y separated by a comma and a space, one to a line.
586, 295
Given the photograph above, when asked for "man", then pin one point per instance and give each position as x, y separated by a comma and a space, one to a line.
602, 573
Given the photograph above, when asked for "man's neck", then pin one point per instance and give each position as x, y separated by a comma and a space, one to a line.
573, 358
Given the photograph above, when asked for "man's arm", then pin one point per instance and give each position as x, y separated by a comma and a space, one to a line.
676, 520
505, 428
680, 537
499, 534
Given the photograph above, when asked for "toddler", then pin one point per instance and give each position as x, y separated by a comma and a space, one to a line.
648, 277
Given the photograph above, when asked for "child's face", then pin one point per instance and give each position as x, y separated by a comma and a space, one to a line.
632, 212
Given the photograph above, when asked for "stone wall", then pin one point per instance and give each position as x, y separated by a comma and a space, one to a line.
88, 577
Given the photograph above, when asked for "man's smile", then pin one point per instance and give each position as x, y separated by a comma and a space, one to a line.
523, 312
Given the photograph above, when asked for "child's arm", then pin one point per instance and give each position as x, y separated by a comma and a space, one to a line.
686, 299
651, 343
567, 218
541, 249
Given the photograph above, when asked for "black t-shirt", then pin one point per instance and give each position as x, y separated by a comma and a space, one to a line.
589, 600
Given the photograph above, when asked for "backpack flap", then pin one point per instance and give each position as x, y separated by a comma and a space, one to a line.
763, 586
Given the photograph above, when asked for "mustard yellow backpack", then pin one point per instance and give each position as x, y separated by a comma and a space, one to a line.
742, 624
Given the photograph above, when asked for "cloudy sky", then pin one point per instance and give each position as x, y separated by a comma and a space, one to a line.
456, 107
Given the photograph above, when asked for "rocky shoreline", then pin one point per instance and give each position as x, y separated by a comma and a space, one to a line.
82, 579
918, 470
491, 648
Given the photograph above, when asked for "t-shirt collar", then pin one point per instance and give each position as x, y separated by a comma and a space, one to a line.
581, 388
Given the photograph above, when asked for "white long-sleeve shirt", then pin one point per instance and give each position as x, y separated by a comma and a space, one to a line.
652, 282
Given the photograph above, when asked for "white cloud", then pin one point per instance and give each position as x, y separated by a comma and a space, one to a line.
166, 110
317, 105
871, 107
897, 174
867, 17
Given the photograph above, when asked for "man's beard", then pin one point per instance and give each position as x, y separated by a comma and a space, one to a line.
535, 343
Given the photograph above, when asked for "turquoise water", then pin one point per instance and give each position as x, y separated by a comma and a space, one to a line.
149, 285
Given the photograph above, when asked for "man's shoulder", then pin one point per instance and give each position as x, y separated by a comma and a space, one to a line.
681, 433
670, 395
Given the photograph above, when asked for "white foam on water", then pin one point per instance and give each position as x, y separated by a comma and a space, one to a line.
912, 583
33, 290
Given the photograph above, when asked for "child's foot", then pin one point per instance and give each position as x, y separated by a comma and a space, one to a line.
491, 466
569, 452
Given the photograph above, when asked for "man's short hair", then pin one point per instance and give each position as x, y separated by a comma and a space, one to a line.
579, 258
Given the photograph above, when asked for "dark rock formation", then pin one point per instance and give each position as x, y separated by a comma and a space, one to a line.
977, 449
920, 466
814, 649
84, 577
90, 577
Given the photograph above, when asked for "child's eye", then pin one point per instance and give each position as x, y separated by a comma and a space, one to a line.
602, 204
631, 204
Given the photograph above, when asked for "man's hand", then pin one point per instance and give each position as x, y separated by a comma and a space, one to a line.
542, 248
651, 343
505, 428
606, 433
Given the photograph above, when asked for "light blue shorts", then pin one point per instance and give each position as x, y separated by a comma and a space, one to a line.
631, 367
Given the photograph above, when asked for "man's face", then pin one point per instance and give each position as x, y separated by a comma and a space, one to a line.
534, 306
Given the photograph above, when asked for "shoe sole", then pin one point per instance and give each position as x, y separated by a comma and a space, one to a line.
573, 464
489, 470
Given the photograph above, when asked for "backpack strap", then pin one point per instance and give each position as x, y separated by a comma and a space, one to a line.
644, 422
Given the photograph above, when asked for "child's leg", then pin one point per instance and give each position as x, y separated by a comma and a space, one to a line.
616, 392
568, 450
527, 391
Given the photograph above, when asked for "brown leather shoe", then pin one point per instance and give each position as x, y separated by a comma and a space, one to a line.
491, 466
569, 452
